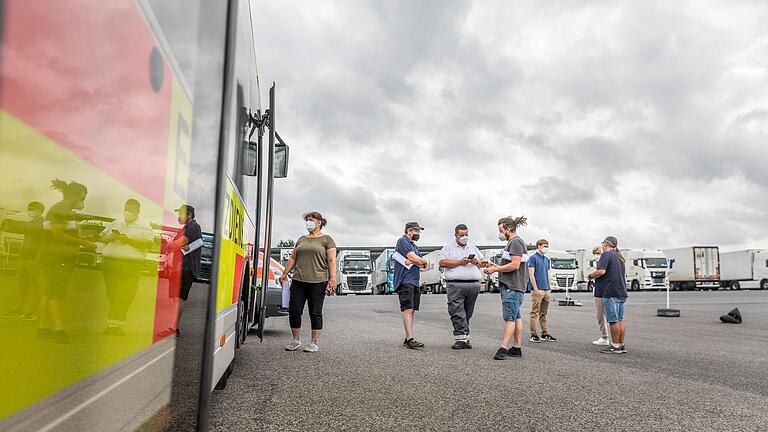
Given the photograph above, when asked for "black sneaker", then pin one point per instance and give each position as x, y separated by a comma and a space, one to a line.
610, 349
178, 333
414, 344
623, 349
459, 345
469, 345
535, 339
60, 337
44, 333
548, 338
501, 354
515, 352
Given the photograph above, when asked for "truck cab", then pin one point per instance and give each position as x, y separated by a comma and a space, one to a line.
562, 270
354, 271
646, 269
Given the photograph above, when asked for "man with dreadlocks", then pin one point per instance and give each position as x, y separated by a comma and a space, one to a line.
513, 281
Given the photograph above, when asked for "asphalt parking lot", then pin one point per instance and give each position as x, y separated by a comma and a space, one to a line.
681, 374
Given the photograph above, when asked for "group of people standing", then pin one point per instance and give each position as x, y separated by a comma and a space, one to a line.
313, 260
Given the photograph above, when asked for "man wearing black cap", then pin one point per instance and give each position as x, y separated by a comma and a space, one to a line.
611, 285
406, 279
187, 243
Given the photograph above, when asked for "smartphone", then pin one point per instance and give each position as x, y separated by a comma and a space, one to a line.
471, 257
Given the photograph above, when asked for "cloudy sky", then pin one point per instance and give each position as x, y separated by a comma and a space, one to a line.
645, 120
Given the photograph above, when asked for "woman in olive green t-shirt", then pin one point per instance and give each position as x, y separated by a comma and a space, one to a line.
314, 261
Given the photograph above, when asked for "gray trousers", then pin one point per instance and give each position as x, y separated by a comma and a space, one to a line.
461, 304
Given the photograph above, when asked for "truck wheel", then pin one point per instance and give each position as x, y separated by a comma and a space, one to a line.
635, 285
764, 284
735, 285
590, 286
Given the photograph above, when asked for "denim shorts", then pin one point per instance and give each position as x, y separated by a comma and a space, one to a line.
614, 308
510, 303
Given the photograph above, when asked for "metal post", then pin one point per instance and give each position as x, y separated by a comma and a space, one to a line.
268, 217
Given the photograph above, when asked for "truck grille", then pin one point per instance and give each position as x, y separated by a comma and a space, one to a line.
357, 283
658, 278
205, 272
565, 281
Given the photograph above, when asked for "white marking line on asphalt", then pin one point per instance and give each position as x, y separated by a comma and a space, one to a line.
99, 395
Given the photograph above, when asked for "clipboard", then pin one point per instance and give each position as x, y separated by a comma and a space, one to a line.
195, 245
401, 259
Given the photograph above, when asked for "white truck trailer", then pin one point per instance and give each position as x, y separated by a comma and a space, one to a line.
354, 270
587, 263
744, 269
431, 279
645, 269
384, 273
695, 267
488, 282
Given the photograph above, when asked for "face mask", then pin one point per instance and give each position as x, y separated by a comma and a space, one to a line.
32, 214
502, 236
130, 217
463, 240
544, 250
310, 225
416, 237
78, 205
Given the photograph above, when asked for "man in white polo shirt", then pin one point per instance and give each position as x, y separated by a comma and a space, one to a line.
461, 261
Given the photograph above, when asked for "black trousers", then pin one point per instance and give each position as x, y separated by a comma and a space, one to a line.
314, 295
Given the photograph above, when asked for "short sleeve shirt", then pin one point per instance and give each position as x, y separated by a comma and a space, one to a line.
191, 261
516, 280
402, 274
469, 272
33, 239
540, 265
60, 217
136, 231
311, 255
613, 283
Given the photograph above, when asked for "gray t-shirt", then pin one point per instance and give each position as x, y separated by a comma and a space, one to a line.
515, 280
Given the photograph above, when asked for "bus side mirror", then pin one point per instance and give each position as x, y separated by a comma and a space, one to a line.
281, 160
250, 158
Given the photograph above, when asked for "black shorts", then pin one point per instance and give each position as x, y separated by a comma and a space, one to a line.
185, 285
410, 297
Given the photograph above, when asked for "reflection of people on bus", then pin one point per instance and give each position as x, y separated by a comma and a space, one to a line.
27, 267
187, 246
58, 257
124, 257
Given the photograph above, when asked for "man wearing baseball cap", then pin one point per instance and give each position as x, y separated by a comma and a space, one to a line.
611, 285
406, 279
188, 247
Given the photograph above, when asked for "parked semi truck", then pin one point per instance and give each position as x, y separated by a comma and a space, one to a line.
587, 263
486, 281
695, 267
354, 270
744, 269
431, 279
562, 272
383, 277
645, 269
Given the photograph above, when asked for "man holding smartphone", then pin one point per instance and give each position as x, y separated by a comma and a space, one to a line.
462, 262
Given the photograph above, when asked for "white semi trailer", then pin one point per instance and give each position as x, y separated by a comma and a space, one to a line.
695, 267
587, 263
487, 282
645, 269
354, 270
384, 273
431, 279
744, 269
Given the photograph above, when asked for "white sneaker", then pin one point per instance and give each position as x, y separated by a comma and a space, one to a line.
293, 346
312, 347
601, 342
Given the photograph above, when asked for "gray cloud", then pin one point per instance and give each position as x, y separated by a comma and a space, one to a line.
467, 111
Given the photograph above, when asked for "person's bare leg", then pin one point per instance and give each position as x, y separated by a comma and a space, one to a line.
518, 334
296, 332
55, 318
509, 333
622, 332
45, 322
315, 335
408, 323
616, 333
